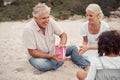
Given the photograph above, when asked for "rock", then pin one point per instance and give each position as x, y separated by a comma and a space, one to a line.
119, 9
74, 17
115, 14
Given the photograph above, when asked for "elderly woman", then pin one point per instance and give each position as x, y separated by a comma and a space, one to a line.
107, 65
91, 29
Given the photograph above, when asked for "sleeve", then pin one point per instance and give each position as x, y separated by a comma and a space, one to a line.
83, 30
105, 26
92, 72
57, 29
29, 39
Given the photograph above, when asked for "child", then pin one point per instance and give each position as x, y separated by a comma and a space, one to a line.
107, 65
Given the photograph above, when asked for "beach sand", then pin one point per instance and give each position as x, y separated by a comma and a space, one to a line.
14, 63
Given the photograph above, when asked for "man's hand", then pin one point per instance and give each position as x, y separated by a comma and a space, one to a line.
60, 45
55, 57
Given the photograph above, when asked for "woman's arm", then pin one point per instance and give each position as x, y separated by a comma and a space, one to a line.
85, 47
85, 40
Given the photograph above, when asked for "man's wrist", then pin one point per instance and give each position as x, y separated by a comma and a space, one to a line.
61, 44
50, 56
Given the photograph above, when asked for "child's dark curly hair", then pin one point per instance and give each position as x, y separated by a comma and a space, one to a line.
109, 42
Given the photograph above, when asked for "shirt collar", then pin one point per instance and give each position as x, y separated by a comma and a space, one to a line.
36, 25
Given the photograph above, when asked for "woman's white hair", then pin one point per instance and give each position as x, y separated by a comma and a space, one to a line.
40, 8
96, 9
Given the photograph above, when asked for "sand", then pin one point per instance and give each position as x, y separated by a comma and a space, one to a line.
14, 63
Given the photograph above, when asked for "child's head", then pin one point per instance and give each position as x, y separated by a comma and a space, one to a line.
109, 42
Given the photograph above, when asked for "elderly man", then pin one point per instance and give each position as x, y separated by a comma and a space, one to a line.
39, 39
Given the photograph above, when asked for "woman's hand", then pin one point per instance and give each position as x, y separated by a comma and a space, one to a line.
83, 49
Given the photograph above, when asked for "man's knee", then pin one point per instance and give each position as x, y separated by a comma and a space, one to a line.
38, 64
72, 47
44, 64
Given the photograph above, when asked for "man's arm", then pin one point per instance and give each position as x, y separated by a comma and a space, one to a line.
63, 38
40, 54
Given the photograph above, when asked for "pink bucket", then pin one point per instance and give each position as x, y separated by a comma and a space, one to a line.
61, 51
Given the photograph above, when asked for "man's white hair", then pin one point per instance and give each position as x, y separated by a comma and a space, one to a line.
95, 8
40, 8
